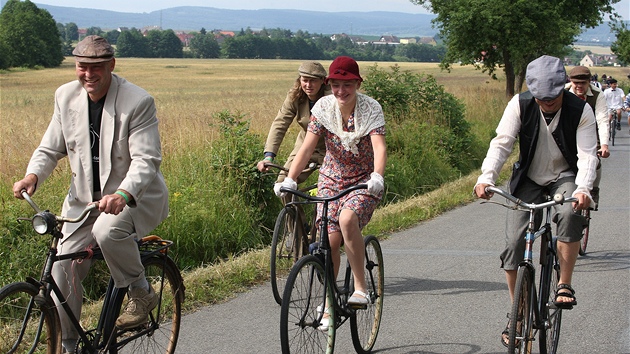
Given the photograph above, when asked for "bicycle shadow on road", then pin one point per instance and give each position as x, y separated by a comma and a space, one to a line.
403, 286
603, 261
436, 348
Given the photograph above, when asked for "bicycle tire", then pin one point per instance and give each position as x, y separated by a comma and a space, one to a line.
520, 337
17, 307
304, 292
613, 128
283, 250
551, 316
365, 323
586, 213
164, 320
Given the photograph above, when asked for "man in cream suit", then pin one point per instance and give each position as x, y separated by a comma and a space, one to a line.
107, 127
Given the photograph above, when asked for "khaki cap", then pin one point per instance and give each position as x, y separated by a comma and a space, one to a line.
93, 49
312, 69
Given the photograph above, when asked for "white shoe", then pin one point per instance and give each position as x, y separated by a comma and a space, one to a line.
358, 298
325, 323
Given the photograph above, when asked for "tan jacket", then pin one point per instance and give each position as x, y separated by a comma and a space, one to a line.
130, 151
289, 112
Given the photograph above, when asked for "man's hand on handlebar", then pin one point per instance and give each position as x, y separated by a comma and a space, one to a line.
583, 202
112, 204
27, 183
480, 191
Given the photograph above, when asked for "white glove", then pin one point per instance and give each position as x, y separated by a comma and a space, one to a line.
287, 183
376, 184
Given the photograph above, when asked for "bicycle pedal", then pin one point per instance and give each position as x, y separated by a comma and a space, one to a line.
357, 306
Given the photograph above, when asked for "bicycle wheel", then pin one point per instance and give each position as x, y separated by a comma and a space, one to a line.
613, 130
20, 318
552, 316
283, 250
365, 323
299, 315
586, 213
160, 333
521, 329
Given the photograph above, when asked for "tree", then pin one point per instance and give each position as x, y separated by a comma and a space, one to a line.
30, 35
204, 45
508, 34
621, 46
132, 44
164, 44
72, 31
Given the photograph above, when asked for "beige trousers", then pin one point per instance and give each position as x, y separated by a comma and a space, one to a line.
115, 234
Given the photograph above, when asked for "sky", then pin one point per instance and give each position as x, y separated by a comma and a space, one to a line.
318, 5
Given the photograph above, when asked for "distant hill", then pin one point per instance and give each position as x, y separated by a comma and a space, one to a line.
193, 18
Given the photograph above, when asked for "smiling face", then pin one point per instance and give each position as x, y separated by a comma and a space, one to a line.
95, 77
311, 86
579, 87
345, 91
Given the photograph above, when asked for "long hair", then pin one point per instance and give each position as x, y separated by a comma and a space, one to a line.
298, 95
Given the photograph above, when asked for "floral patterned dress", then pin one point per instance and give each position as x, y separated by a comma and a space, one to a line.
343, 169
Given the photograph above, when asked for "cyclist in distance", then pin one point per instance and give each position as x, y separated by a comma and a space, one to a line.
558, 154
307, 89
626, 105
614, 99
353, 127
580, 86
108, 129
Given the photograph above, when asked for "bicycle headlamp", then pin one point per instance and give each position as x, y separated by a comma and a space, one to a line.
44, 222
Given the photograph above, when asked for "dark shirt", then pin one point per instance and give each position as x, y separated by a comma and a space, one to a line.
96, 113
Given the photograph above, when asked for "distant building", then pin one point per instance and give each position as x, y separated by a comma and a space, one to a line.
408, 41
588, 61
185, 37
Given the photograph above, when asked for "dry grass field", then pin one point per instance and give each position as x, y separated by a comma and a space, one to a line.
189, 91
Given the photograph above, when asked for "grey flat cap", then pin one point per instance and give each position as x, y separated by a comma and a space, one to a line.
546, 77
93, 49
312, 69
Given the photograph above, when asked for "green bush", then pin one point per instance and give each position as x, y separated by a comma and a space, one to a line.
428, 140
219, 203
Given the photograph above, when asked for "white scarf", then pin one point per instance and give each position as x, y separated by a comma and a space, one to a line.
368, 115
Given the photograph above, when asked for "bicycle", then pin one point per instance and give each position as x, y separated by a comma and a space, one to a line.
532, 313
30, 321
312, 284
291, 235
612, 131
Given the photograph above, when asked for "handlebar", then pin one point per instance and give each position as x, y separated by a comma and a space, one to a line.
311, 167
323, 199
558, 198
60, 218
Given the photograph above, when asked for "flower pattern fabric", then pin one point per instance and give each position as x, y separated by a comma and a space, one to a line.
342, 169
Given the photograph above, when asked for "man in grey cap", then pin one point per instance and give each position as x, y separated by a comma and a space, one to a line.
558, 146
108, 129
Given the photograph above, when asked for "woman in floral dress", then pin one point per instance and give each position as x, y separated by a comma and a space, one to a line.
353, 127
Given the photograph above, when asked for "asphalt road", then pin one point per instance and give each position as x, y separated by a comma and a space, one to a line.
445, 292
